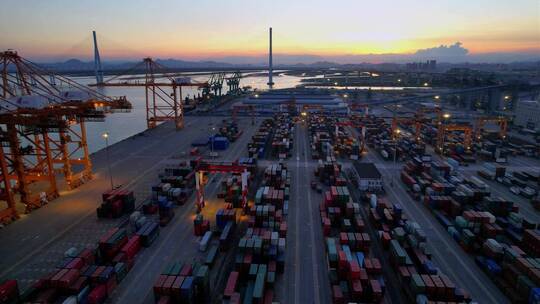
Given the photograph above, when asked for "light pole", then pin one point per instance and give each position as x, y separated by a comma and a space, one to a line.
446, 116
106, 136
212, 141
395, 151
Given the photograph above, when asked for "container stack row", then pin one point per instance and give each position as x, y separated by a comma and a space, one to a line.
405, 244
355, 275
320, 138
230, 131
183, 283
282, 141
258, 145
90, 275
116, 203
261, 250
488, 227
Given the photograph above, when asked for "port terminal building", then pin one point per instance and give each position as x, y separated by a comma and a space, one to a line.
274, 101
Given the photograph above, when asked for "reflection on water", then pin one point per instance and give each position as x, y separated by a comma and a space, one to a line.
367, 88
123, 125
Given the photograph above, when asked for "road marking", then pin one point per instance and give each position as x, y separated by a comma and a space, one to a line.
297, 233
315, 264
443, 240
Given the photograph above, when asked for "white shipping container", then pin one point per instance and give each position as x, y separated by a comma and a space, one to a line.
373, 201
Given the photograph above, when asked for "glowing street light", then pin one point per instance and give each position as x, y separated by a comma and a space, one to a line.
256, 95
426, 84
345, 95
446, 115
506, 97
303, 114
437, 97
399, 80
106, 137
335, 83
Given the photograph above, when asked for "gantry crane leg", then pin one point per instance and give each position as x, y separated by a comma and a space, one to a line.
10, 213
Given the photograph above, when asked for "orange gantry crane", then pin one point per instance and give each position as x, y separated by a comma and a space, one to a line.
161, 104
204, 166
406, 121
444, 129
42, 132
499, 120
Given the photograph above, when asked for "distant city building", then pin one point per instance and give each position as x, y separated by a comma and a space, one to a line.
430, 65
527, 114
369, 177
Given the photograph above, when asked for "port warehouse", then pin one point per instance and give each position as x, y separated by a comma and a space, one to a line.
302, 100
242, 247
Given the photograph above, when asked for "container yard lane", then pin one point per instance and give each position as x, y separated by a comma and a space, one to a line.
176, 241
449, 256
305, 278
71, 221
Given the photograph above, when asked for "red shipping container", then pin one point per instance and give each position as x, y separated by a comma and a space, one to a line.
231, 284
68, 279
272, 266
111, 284
186, 271
235, 298
132, 247
9, 290
376, 291
55, 280
268, 296
164, 300
337, 295
175, 288
449, 287
343, 239
354, 270
76, 263
94, 276
88, 256
439, 287
356, 290
78, 285
430, 287
377, 269
46, 296
167, 285
159, 283
364, 278
98, 295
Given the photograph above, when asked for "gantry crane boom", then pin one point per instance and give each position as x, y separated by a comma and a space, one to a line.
38, 115
161, 105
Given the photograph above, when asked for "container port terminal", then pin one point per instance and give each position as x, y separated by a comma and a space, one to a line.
328, 192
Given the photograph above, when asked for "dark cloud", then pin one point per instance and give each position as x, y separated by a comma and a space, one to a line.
453, 50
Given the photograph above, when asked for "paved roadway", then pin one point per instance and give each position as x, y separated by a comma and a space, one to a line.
32, 246
447, 254
306, 277
176, 241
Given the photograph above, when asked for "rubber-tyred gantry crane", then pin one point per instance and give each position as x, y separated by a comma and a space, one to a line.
161, 104
203, 166
499, 120
42, 132
444, 129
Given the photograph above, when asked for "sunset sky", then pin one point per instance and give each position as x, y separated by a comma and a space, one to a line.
205, 29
